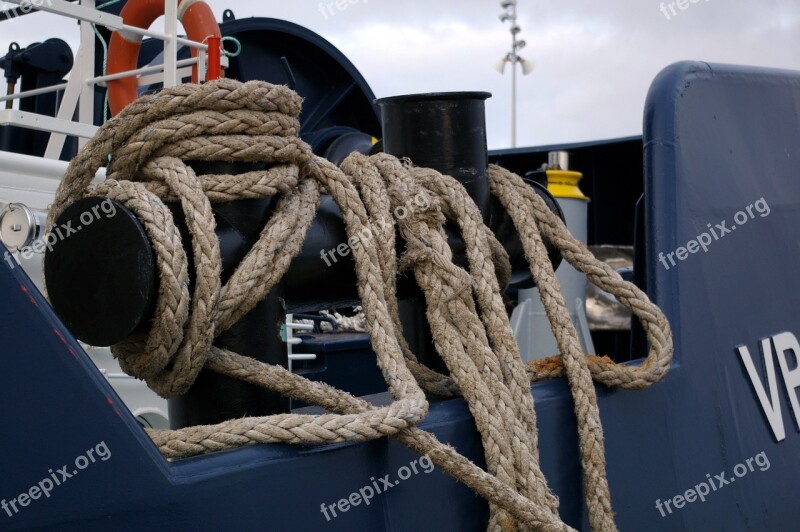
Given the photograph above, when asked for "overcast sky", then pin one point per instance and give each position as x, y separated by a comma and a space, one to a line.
594, 59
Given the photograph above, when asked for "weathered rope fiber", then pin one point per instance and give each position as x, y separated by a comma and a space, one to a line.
255, 122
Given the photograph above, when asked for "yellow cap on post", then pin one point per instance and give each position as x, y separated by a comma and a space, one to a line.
564, 184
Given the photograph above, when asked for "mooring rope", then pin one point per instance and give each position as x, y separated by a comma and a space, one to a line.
149, 144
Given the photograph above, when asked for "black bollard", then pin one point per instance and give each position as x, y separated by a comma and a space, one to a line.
102, 282
214, 398
446, 132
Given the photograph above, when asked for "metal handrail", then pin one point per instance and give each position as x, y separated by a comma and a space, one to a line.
138, 71
162, 36
82, 79
33, 92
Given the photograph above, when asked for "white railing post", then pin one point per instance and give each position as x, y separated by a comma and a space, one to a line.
85, 71
201, 65
171, 43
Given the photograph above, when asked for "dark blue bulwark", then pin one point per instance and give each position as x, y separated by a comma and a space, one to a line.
344, 360
717, 139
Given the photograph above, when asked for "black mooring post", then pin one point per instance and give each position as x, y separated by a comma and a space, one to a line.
446, 132
102, 282
214, 398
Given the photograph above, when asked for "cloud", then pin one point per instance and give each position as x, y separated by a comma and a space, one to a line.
594, 60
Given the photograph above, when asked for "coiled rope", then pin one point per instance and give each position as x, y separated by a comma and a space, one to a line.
226, 120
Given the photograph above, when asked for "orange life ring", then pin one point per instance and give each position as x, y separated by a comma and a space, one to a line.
123, 50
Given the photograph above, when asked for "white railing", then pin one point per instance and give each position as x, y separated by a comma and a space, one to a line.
79, 90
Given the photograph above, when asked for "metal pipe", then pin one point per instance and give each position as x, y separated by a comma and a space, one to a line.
171, 43
163, 36
213, 398
33, 92
558, 160
85, 69
10, 88
514, 61
443, 131
446, 132
214, 58
138, 71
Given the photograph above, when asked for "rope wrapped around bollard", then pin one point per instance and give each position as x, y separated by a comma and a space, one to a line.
255, 122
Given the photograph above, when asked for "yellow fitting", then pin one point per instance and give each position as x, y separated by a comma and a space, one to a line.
564, 184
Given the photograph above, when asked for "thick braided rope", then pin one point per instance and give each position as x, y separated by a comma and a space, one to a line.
466, 214
504, 418
510, 188
376, 200
532, 514
590, 430
501, 426
257, 122
169, 360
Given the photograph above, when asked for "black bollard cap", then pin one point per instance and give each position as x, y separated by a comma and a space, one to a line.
100, 271
445, 131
